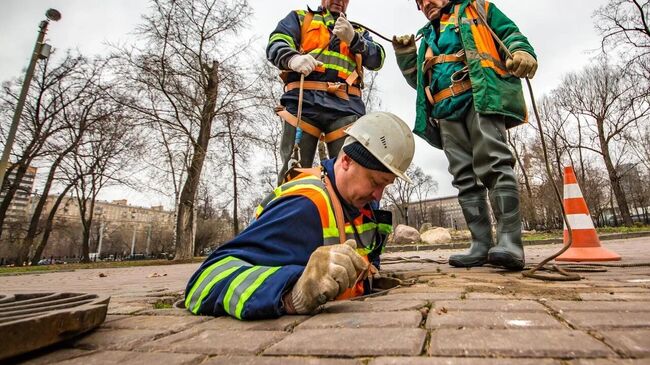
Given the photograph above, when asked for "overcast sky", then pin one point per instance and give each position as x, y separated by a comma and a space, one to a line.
562, 33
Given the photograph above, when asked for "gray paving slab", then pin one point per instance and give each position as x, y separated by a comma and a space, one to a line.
504, 320
279, 360
600, 320
491, 305
459, 361
609, 362
283, 323
616, 296
543, 343
217, 342
135, 358
373, 306
54, 356
429, 297
399, 319
632, 343
162, 323
598, 306
116, 339
352, 342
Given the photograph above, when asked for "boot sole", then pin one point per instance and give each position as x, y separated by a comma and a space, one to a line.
459, 263
505, 260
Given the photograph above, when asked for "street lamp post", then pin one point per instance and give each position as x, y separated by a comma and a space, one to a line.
41, 51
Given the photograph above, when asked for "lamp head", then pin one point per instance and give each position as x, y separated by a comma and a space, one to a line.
53, 14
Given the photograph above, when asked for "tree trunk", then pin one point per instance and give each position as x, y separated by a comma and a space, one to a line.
529, 191
87, 225
235, 187
621, 200
185, 221
48, 226
32, 231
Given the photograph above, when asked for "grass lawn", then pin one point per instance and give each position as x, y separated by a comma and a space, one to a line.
545, 235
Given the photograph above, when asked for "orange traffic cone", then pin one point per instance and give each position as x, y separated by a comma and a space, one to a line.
586, 244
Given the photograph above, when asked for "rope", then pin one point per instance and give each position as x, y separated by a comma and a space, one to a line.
379, 34
410, 259
294, 161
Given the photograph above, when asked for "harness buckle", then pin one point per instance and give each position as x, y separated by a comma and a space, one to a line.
460, 75
334, 87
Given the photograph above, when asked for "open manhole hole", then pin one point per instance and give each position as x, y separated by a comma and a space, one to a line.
32, 321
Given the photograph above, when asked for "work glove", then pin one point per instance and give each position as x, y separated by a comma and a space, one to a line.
404, 44
329, 272
522, 64
343, 30
303, 64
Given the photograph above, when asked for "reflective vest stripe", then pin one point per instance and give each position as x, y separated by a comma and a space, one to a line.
328, 19
243, 287
334, 57
209, 278
284, 38
486, 49
312, 188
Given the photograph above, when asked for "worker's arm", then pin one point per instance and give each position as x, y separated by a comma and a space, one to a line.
284, 42
407, 58
372, 53
247, 277
523, 62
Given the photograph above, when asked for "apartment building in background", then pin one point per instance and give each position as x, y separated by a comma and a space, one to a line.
19, 210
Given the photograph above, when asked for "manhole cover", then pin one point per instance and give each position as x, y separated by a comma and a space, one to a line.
32, 321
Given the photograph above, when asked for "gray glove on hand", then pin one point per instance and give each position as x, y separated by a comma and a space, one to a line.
344, 30
330, 271
404, 44
303, 64
522, 64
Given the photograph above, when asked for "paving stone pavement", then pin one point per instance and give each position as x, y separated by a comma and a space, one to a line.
449, 316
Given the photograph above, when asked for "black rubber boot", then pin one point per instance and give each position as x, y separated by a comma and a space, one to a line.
477, 216
509, 251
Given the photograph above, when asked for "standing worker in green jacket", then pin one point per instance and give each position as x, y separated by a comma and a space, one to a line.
468, 94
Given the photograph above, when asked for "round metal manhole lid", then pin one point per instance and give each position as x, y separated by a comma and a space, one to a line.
32, 321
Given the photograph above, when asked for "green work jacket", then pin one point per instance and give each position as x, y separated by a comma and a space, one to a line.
491, 92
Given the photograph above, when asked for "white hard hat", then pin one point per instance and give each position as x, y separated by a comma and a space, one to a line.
387, 138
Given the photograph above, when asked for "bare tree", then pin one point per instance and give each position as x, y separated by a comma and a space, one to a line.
79, 98
49, 94
187, 74
112, 146
401, 193
607, 98
625, 26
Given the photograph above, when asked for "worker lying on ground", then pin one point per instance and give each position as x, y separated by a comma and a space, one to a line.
315, 236
466, 98
331, 53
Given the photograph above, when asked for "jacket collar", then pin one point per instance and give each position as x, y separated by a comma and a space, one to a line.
350, 211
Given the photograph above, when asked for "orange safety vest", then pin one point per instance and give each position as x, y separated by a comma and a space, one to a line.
310, 184
315, 39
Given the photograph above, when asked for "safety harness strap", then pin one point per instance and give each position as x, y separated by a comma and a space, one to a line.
338, 89
334, 200
309, 128
430, 60
455, 89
